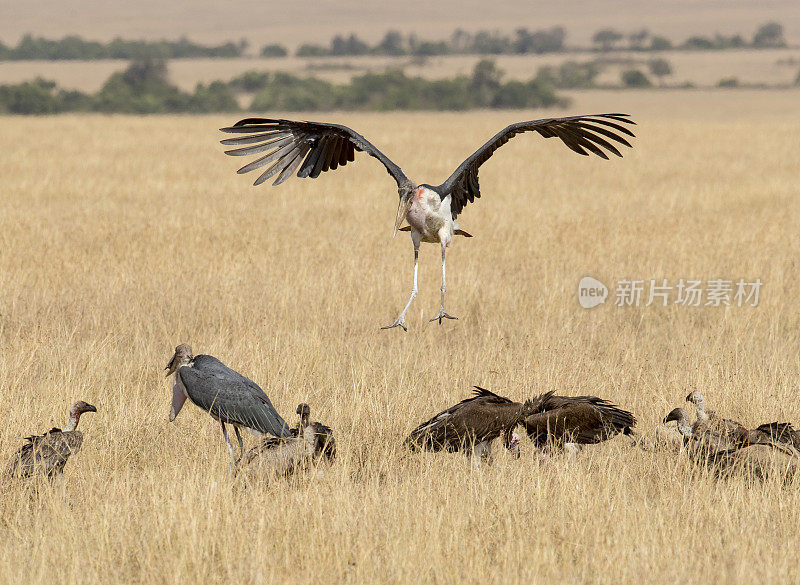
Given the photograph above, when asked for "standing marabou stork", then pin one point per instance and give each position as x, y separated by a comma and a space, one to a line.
225, 394
47, 454
311, 148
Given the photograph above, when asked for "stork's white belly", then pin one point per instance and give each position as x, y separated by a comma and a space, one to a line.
430, 216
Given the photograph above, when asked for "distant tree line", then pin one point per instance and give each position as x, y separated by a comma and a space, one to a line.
143, 88
393, 43
769, 35
75, 48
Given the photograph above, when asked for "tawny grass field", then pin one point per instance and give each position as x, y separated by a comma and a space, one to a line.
121, 237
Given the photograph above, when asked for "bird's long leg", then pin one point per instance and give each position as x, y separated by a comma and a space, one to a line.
241, 445
401, 320
442, 313
230, 447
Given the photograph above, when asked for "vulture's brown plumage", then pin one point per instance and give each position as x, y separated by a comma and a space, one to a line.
47, 454
711, 420
701, 440
577, 419
780, 433
309, 441
472, 424
760, 461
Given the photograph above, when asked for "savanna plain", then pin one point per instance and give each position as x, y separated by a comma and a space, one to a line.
121, 237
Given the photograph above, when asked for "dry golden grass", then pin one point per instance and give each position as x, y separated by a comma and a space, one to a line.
123, 236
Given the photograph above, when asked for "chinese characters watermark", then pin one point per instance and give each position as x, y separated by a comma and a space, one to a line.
687, 292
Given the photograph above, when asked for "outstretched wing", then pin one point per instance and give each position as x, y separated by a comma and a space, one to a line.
310, 148
230, 397
582, 134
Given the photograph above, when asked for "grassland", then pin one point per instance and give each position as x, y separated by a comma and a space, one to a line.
121, 237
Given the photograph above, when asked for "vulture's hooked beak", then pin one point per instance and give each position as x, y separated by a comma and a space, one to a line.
402, 210
90, 408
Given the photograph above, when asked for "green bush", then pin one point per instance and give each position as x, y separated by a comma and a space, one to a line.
769, 35
274, 51
143, 88
660, 44
635, 78
728, 82
76, 48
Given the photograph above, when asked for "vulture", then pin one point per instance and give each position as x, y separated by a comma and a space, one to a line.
472, 424
47, 454
767, 433
576, 419
711, 419
760, 461
699, 438
782, 433
283, 456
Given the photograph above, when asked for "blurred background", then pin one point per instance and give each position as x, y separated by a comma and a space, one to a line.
206, 56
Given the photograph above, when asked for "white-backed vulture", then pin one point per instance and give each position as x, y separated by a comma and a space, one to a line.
698, 438
285, 455
47, 454
711, 419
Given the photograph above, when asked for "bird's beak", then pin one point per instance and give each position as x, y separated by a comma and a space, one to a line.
673, 415
178, 399
402, 210
171, 366
90, 408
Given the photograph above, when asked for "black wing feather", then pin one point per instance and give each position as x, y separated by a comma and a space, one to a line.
581, 134
330, 146
230, 397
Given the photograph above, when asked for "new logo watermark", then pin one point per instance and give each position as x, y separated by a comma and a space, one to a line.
686, 292
591, 292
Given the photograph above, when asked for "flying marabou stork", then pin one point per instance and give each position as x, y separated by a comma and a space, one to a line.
311, 148
225, 394
47, 454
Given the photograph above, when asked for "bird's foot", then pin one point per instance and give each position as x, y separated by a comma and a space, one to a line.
443, 315
399, 322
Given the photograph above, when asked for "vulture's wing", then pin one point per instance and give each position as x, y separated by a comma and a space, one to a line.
325, 444
310, 148
469, 420
778, 431
578, 419
46, 454
230, 397
582, 134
